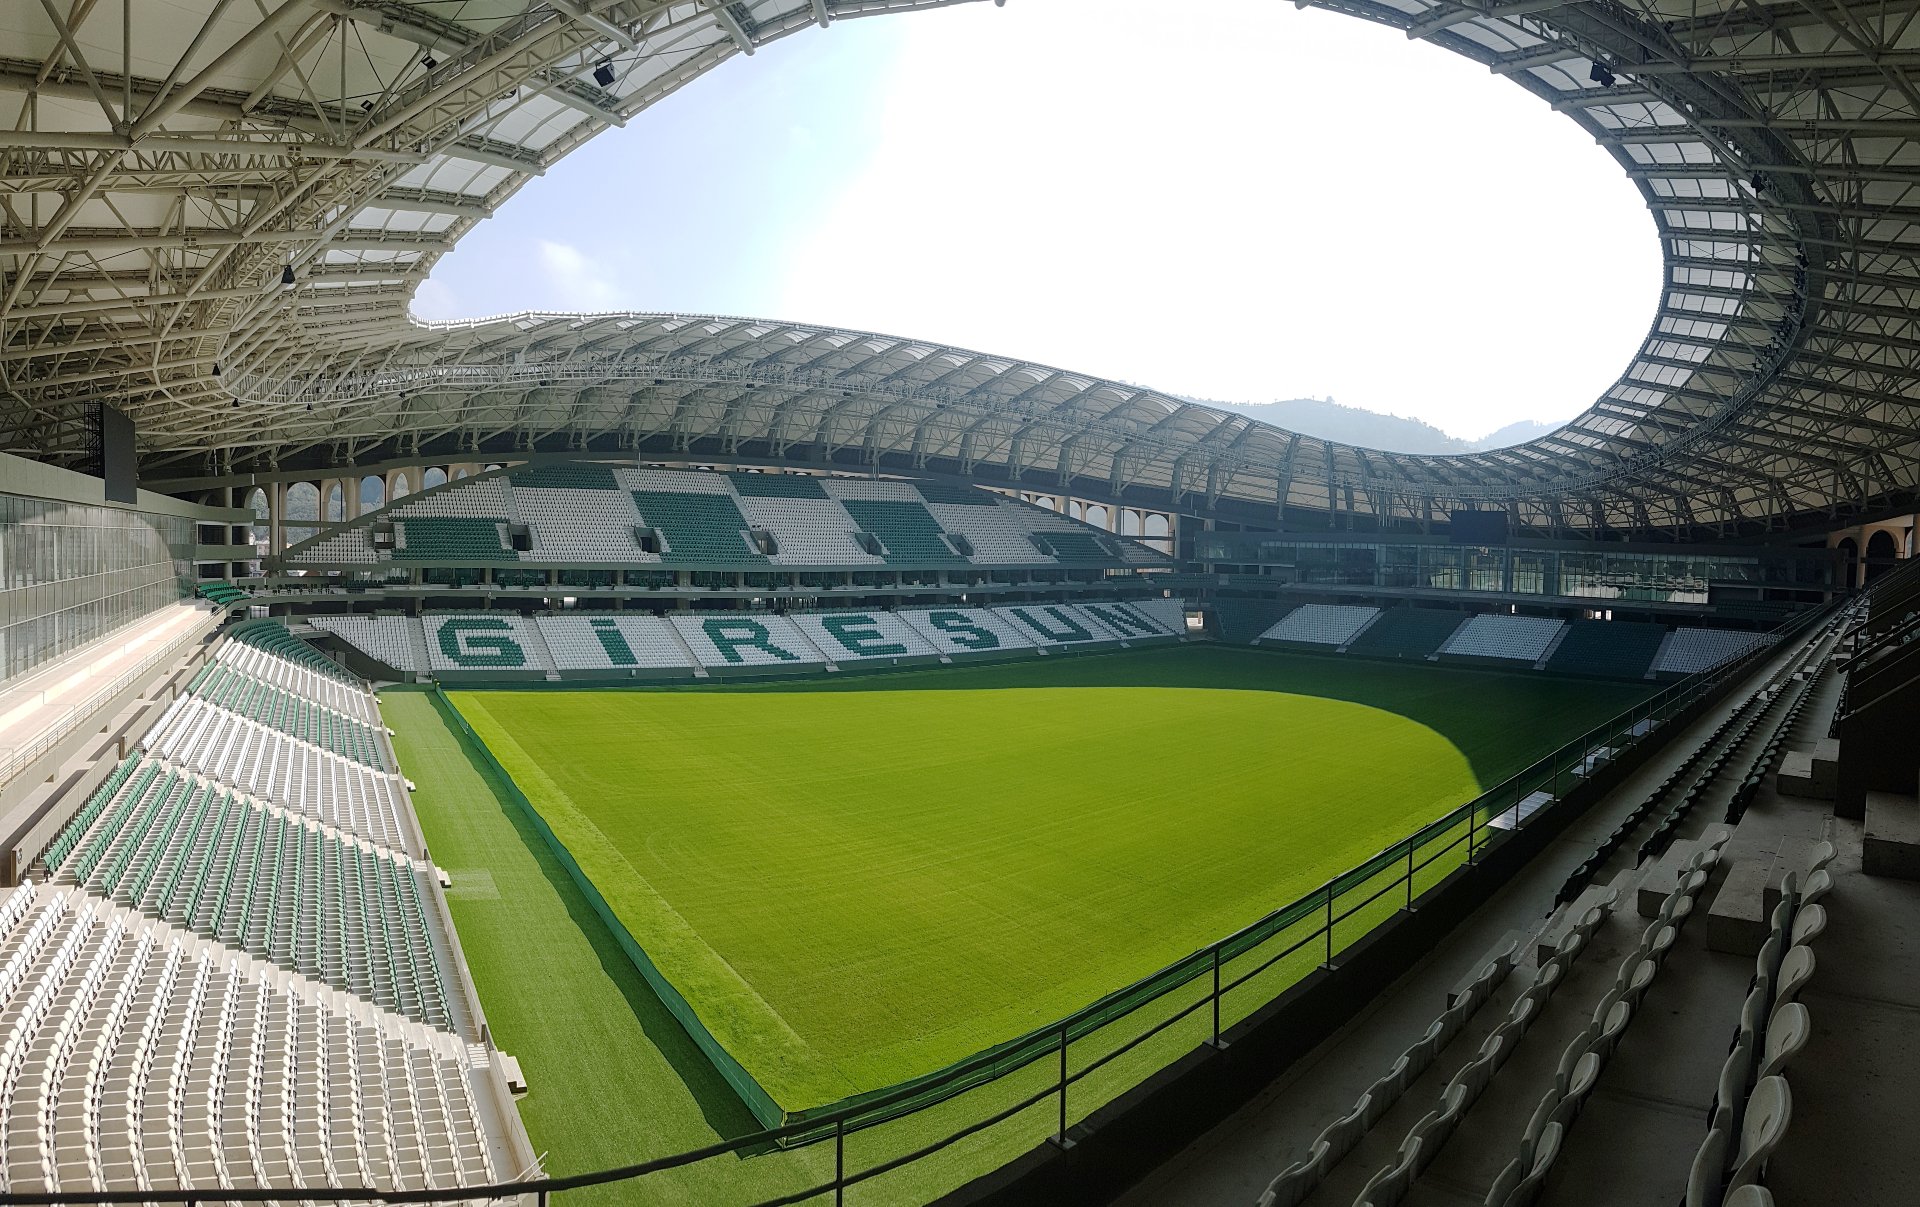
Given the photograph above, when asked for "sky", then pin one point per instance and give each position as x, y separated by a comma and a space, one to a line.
1265, 204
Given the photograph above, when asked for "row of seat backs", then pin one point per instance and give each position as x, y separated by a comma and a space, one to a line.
504, 641
700, 516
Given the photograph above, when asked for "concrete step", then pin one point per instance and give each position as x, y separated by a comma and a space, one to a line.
1892, 843
1812, 774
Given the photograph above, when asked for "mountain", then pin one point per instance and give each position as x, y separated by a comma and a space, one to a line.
1515, 433
1329, 420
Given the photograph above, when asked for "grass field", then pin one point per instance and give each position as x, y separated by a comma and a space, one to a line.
861, 879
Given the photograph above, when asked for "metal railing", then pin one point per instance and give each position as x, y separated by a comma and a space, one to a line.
1211, 990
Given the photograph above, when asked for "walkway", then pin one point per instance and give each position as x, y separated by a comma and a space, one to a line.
41, 708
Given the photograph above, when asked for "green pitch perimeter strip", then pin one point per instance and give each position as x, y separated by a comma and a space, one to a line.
835, 886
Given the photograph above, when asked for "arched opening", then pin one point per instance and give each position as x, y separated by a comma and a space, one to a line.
460, 473
1881, 554
1096, 515
373, 493
260, 535
1157, 526
400, 487
1129, 522
434, 476
302, 512
336, 503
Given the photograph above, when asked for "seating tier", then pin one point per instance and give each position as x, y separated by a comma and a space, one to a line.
384, 638
1407, 633
960, 631
1127, 622
579, 525
1694, 650
1320, 624
998, 532
776, 486
482, 498
247, 755
1617, 649
259, 879
1170, 613
475, 540
698, 527
808, 531
301, 678
612, 641
1078, 548
908, 532
145, 1058
735, 639
295, 715
1512, 638
586, 513
481, 641
1054, 624
860, 636
568, 477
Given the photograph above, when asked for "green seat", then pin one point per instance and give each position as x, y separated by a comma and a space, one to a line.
564, 477
699, 528
777, 486
947, 492
908, 532
1406, 633
1080, 549
452, 538
63, 845
1614, 649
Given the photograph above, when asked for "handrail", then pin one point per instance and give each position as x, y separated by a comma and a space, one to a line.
1906, 626
1889, 679
1487, 826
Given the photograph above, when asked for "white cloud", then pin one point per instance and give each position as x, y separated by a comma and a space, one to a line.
578, 279
434, 300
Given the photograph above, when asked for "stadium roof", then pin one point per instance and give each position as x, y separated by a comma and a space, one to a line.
152, 199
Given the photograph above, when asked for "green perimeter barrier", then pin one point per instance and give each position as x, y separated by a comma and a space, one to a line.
756, 1099
1356, 894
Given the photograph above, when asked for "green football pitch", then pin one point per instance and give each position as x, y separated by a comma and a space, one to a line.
856, 881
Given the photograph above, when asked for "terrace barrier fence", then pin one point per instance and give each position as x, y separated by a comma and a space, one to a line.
1193, 1000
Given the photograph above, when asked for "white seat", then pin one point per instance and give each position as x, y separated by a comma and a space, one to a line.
1708, 1171
1320, 624
1795, 970
1818, 885
1809, 924
1495, 635
1731, 1100
1545, 1152
1298, 1180
1585, 1075
1690, 650
1787, 1033
1769, 1113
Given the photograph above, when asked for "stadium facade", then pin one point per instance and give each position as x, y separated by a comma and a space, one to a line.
212, 223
